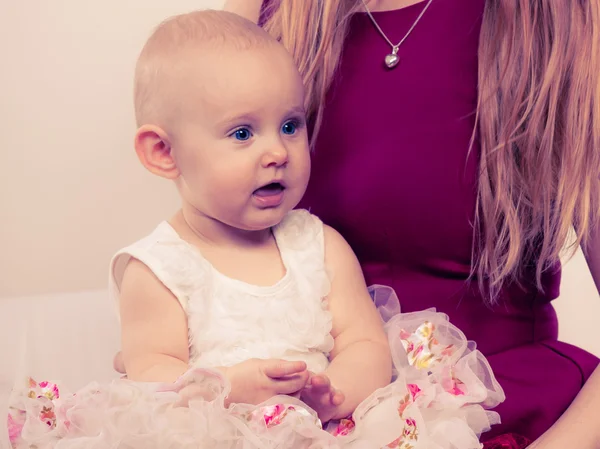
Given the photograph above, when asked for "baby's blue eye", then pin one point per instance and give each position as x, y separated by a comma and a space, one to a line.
289, 128
242, 134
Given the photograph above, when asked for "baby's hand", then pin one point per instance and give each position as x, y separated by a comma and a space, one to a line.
119, 364
320, 395
254, 381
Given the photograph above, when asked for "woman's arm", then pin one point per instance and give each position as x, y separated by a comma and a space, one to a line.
578, 427
361, 359
250, 9
591, 252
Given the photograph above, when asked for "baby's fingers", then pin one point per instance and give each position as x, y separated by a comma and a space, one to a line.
337, 397
320, 383
290, 384
118, 363
277, 369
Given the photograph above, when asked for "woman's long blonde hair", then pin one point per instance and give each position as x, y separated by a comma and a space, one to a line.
538, 121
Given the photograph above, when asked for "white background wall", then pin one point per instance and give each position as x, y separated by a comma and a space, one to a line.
71, 189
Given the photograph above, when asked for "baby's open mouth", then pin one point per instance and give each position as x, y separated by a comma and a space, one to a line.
274, 188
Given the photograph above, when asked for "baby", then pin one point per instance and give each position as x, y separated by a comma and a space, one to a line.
241, 316
220, 109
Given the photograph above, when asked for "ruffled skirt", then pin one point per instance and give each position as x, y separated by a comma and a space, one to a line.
440, 397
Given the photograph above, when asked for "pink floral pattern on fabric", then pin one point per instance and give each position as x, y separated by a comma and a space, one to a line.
44, 389
453, 385
47, 393
274, 415
414, 390
422, 348
15, 426
344, 428
409, 437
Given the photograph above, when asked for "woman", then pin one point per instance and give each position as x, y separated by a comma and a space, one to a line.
455, 163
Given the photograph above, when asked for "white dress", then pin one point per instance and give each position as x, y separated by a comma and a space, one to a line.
439, 398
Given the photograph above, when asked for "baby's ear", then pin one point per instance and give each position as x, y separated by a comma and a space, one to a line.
153, 149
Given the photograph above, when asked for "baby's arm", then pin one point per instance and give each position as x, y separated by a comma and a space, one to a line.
155, 344
154, 330
360, 360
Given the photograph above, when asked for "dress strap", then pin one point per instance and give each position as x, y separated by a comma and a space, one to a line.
301, 243
170, 259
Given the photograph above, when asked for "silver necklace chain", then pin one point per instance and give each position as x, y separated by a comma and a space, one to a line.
392, 59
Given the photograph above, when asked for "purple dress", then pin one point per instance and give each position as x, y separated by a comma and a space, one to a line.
391, 172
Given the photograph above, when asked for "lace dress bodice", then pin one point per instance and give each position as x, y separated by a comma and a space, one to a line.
231, 321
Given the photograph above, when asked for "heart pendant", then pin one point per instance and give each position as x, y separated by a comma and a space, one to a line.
392, 60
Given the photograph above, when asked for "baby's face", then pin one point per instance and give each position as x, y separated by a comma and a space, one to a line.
242, 146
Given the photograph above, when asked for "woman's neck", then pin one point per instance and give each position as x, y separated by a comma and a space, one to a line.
389, 5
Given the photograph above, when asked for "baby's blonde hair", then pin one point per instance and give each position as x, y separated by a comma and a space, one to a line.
165, 58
